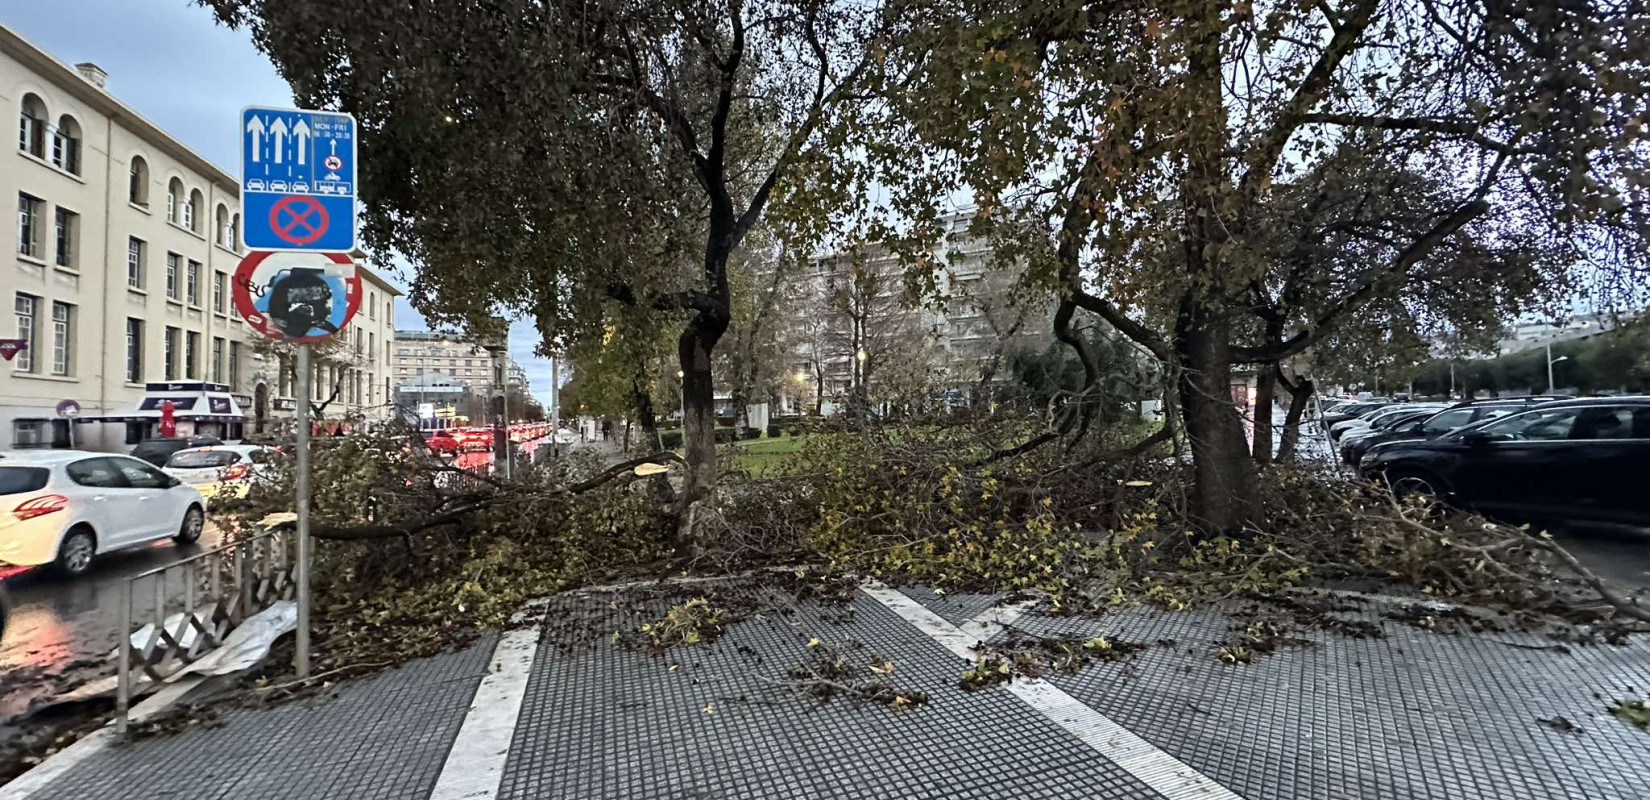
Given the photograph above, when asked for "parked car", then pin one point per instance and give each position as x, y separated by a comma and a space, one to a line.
1434, 425
67, 506
1356, 440
1380, 418
1574, 459
226, 469
157, 451
1348, 411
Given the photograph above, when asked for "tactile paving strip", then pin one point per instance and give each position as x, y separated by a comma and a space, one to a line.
602, 721
1416, 714
382, 738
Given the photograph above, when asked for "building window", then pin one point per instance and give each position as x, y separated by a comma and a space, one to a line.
134, 350
191, 355
234, 231
372, 347
220, 286
31, 126
234, 366
226, 236
28, 224
68, 231
372, 305
62, 337
174, 200
137, 185
173, 262
66, 145
194, 283
191, 212
217, 359
134, 262
27, 307
169, 352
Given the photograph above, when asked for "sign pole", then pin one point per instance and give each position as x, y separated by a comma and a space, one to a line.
300, 659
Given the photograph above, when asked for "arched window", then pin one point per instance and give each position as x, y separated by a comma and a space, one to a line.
226, 234
137, 190
66, 144
235, 231
31, 126
191, 211
174, 200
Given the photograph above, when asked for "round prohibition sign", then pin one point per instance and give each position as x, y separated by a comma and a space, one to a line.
297, 219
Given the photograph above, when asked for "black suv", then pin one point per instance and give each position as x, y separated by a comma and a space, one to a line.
1574, 459
156, 451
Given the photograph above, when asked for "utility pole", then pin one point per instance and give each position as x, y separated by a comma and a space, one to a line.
555, 408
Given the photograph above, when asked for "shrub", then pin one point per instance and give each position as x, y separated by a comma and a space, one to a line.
773, 430
749, 433
724, 435
670, 440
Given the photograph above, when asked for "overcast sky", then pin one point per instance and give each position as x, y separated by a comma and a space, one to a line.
169, 60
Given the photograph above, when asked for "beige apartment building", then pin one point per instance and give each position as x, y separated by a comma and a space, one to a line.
119, 279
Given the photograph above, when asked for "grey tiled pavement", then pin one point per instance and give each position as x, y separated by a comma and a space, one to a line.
609, 722
1415, 714
382, 738
1411, 716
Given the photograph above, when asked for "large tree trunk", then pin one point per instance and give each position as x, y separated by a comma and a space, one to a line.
645, 416
694, 348
1300, 393
1225, 479
1225, 482
1266, 387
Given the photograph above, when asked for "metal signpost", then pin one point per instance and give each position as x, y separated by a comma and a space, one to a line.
298, 203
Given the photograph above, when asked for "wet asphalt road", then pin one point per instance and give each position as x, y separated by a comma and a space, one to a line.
61, 628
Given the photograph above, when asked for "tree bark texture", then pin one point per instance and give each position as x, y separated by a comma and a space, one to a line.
1266, 388
1300, 393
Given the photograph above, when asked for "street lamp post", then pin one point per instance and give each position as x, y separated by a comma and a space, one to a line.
681, 400
1550, 362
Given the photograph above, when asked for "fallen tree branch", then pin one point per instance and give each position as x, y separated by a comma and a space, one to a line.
355, 533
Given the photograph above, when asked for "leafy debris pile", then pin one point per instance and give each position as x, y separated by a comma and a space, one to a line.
829, 671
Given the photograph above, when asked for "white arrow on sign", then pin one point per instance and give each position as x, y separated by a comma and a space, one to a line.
300, 132
277, 129
256, 127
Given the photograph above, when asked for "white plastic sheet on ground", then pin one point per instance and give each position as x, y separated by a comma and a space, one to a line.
248, 643
140, 637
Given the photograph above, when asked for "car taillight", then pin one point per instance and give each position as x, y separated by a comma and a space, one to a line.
40, 506
236, 472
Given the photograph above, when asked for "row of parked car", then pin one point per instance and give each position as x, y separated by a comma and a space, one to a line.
1583, 459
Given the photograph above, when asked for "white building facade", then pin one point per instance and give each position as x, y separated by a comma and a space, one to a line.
119, 269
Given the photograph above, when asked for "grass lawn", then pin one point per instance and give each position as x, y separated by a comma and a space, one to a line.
765, 457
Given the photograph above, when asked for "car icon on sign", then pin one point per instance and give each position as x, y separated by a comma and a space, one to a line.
255, 185
300, 186
277, 186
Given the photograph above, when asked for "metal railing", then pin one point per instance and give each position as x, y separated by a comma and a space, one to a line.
220, 588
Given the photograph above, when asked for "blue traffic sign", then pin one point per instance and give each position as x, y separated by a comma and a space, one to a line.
298, 180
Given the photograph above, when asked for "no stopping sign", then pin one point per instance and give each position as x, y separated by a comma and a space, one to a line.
297, 297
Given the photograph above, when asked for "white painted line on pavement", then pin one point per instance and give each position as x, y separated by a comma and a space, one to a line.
93, 743
475, 765
996, 618
1165, 774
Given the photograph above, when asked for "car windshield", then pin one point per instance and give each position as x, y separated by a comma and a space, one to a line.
203, 459
1446, 421
1543, 425
17, 480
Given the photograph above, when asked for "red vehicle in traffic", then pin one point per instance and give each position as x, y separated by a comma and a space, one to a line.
441, 443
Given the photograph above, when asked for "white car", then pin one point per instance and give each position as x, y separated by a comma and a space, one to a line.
64, 507
218, 469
